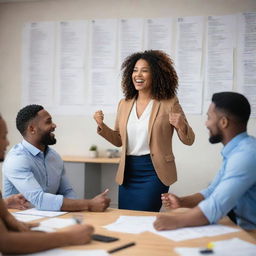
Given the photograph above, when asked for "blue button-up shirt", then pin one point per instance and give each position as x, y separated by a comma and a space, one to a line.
38, 175
234, 186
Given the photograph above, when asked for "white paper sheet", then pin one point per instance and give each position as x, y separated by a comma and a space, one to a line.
72, 45
246, 58
234, 247
220, 50
60, 252
158, 34
38, 63
139, 224
103, 43
35, 212
189, 50
196, 232
26, 218
130, 37
132, 224
52, 224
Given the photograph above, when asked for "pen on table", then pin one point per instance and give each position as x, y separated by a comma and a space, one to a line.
78, 219
121, 247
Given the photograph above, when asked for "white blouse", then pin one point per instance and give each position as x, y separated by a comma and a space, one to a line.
137, 131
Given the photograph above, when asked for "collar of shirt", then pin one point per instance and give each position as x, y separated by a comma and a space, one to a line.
232, 144
32, 149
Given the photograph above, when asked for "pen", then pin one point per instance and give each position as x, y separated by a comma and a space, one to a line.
122, 247
78, 218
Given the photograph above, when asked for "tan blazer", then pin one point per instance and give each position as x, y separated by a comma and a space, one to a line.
160, 133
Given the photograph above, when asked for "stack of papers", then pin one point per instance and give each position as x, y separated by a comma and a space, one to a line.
234, 247
139, 224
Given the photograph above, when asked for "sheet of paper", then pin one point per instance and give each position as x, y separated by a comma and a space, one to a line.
246, 57
60, 252
189, 50
196, 232
72, 45
38, 63
52, 224
130, 37
158, 34
35, 212
26, 218
220, 46
234, 247
139, 224
132, 224
103, 43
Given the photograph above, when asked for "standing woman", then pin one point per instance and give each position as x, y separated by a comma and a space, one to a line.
144, 126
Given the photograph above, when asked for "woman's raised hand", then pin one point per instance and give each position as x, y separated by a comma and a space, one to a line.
99, 117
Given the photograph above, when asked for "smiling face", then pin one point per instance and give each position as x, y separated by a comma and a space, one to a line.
142, 76
44, 128
3, 139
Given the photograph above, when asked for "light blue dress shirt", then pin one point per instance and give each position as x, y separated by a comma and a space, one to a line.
234, 186
39, 176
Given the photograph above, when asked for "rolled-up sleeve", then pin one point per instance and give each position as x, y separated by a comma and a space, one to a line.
17, 171
223, 195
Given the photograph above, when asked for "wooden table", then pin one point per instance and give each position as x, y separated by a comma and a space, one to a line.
147, 243
96, 160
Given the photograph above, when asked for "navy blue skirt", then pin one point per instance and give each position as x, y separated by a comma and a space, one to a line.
141, 189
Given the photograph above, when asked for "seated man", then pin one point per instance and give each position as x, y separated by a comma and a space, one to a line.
233, 190
37, 171
17, 238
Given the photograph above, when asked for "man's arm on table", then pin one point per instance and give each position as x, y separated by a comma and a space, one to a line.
97, 204
192, 217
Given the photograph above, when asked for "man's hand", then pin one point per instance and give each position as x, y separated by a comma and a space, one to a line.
170, 201
165, 222
100, 202
17, 201
79, 234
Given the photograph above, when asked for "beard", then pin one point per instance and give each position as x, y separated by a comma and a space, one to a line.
215, 138
47, 139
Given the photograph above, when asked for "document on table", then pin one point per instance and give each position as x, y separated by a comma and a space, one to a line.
26, 218
196, 232
139, 224
60, 252
52, 224
234, 247
35, 212
132, 224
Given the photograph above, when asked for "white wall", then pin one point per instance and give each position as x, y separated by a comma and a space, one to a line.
196, 164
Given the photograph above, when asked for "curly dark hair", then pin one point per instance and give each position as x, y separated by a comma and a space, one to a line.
25, 115
164, 76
